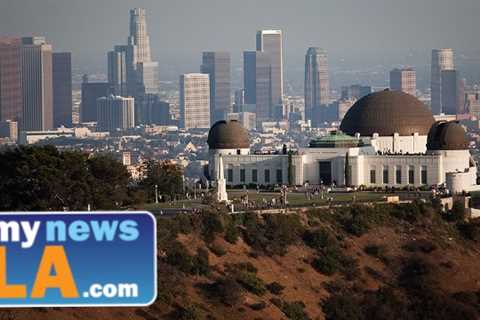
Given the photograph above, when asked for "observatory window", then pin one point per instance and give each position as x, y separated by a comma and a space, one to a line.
373, 178
279, 176
254, 175
230, 175
242, 175
411, 175
267, 176
424, 175
398, 175
385, 175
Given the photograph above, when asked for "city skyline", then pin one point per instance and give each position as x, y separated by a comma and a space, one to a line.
177, 49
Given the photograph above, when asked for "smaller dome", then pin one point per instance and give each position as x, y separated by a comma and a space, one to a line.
228, 135
447, 136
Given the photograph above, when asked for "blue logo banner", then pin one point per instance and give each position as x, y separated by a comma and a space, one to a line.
77, 259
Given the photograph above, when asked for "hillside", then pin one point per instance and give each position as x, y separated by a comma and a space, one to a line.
364, 262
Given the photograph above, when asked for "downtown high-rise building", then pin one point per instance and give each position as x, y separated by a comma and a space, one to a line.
147, 78
270, 42
217, 66
442, 59
317, 85
354, 91
62, 89
11, 95
115, 113
194, 101
139, 36
152, 111
37, 84
453, 92
405, 80
117, 72
257, 84
91, 91
239, 97
142, 72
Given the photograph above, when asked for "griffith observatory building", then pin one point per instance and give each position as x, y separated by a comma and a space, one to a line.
386, 139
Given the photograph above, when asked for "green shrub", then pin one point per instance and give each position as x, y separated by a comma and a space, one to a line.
343, 305
327, 265
228, 290
277, 302
295, 310
177, 255
211, 225
258, 306
420, 245
189, 312
275, 288
231, 233
251, 283
331, 260
411, 212
356, 222
458, 212
377, 251
318, 239
469, 230
245, 274
242, 266
274, 234
217, 249
182, 223
200, 265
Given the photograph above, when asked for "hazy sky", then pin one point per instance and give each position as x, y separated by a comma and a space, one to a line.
180, 29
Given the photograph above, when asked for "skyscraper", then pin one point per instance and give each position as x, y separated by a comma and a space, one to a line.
404, 80
147, 78
152, 111
256, 81
355, 91
194, 101
453, 92
461, 97
270, 42
217, 66
91, 91
139, 35
11, 98
117, 70
62, 89
37, 84
442, 59
115, 112
141, 71
317, 86
239, 97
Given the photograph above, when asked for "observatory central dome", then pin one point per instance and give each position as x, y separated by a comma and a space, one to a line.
388, 112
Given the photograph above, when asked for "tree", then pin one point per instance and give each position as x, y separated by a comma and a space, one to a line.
166, 175
109, 181
42, 178
347, 170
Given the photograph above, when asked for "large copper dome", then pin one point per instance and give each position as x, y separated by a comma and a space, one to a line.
447, 136
228, 135
388, 112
